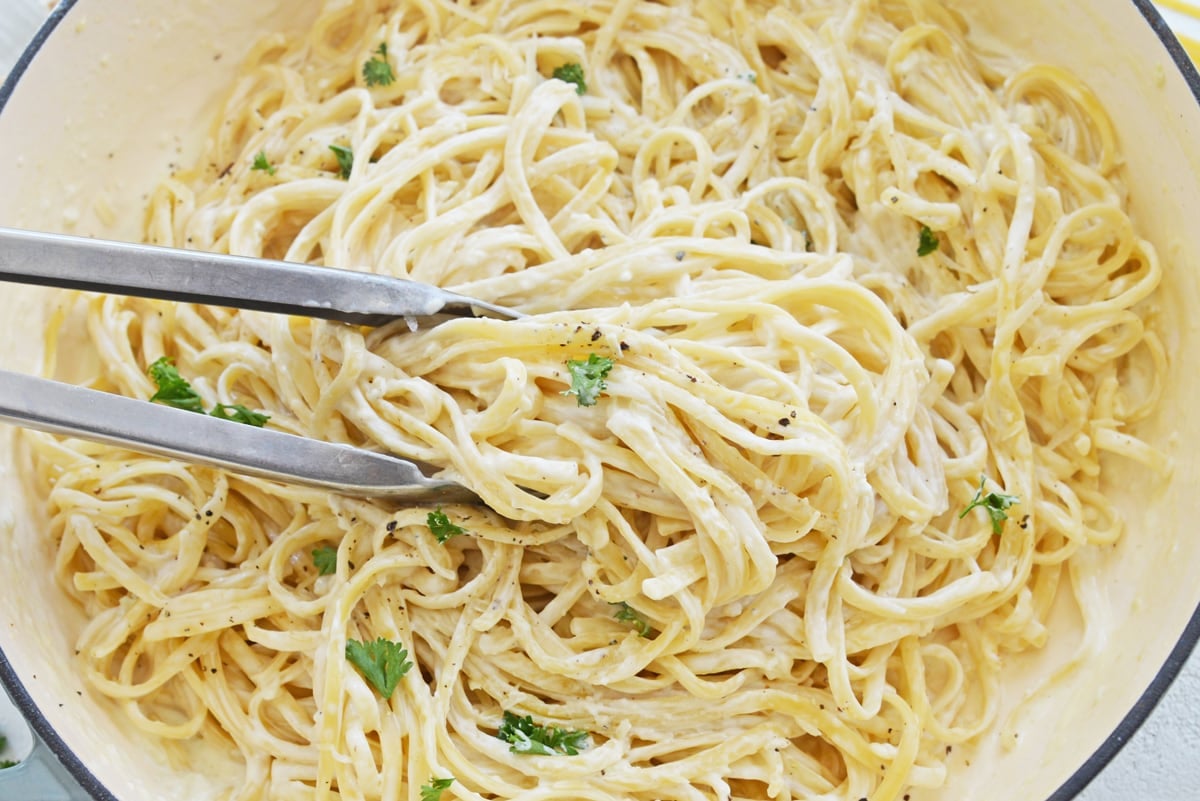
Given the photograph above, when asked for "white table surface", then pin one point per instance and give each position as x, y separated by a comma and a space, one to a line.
1160, 763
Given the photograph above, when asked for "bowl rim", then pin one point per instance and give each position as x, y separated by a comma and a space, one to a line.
11, 682
1070, 789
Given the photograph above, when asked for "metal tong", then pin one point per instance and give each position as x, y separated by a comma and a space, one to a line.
263, 285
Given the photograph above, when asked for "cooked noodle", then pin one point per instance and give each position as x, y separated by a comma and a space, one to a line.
801, 405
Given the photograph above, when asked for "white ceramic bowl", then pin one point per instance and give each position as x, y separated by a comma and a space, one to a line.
113, 91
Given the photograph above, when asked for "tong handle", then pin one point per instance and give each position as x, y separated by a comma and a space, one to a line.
197, 438
192, 276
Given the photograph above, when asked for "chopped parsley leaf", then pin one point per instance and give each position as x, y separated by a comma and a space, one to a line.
238, 413
587, 378
382, 663
441, 527
572, 73
377, 71
994, 503
526, 737
325, 558
627, 614
345, 159
173, 389
432, 791
261, 163
929, 241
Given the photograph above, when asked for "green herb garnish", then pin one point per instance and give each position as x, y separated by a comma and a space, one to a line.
377, 71
432, 791
627, 614
345, 159
526, 737
261, 163
325, 558
173, 389
587, 378
929, 241
238, 413
441, 527
994, 503
382, 663
572, 73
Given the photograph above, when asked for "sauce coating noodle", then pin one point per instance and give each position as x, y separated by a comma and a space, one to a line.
801, 406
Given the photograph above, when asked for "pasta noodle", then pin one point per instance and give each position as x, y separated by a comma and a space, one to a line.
854, 271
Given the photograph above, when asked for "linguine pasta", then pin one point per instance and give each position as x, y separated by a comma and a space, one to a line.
745, 571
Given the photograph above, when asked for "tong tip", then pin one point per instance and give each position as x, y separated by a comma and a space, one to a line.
463, 306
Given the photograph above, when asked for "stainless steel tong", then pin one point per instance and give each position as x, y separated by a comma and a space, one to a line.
259, 284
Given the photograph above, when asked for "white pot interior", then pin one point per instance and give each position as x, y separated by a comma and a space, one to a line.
87, 171
123, 88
